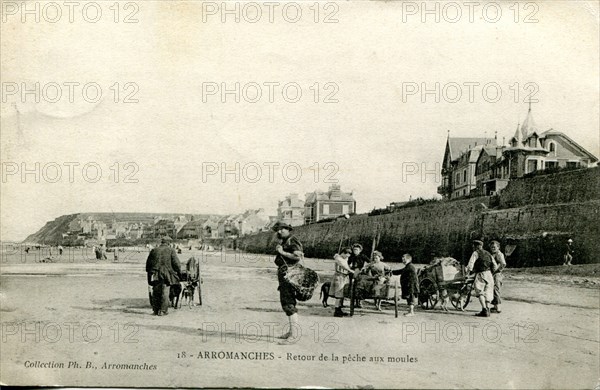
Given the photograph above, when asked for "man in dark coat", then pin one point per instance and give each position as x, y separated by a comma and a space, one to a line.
163, 269
409, 283
289, 252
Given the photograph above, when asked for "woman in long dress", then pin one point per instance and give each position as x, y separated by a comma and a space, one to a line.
340, 280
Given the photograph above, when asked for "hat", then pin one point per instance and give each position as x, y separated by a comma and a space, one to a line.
377, 253
569, 240
357, 246
281, 225
477, 242
165, 239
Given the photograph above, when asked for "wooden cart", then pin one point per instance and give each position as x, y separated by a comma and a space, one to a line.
390, 290
444, 277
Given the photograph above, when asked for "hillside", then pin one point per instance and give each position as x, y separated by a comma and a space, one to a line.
52, 232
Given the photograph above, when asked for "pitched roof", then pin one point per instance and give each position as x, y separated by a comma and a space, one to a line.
195, 223
459, 145
575, 144
326, 195
474, 153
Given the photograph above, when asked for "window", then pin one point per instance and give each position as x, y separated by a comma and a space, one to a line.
465, 176
550, 164
325, 209
345, 209
572, 164
552, 146
531, 166
458, 178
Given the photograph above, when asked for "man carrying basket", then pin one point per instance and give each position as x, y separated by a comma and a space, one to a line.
289, 253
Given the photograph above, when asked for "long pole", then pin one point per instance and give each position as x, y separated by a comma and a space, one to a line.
375, 233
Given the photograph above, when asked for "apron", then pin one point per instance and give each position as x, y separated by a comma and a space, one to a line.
339, 281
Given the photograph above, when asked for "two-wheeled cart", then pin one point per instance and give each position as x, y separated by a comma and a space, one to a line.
366, 287
444, 277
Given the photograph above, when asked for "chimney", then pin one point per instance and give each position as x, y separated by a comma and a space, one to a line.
335, 192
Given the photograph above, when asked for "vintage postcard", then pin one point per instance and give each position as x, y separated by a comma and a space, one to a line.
300, 194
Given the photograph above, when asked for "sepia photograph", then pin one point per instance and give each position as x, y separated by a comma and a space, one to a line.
300, 194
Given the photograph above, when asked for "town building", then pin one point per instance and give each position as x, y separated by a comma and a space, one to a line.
459, 165
480, 166
164, 227
198, 228
331, 204
291, 210
252, 221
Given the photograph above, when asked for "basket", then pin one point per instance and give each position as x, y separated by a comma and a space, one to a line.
303, 280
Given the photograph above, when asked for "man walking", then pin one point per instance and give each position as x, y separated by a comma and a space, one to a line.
289, 252
163, 269
569, 252
481, 263
501, 264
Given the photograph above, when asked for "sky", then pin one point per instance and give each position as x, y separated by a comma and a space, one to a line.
159, 133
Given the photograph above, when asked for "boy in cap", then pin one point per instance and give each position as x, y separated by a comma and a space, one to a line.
409, 283
482, 264
289, 252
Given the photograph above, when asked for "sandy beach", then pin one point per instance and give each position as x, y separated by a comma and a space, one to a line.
81, 322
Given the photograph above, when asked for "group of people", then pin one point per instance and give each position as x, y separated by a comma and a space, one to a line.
486, 266
348, 261
488, 276
371, 276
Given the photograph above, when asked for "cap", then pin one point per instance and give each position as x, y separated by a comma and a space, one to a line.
477, 242
357, 246
281, 225
569, 240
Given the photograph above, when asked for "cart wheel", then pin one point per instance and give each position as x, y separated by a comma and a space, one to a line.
461, 301
396, 300
428, 296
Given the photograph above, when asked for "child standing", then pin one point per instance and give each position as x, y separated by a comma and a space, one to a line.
409, 283
340, 279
